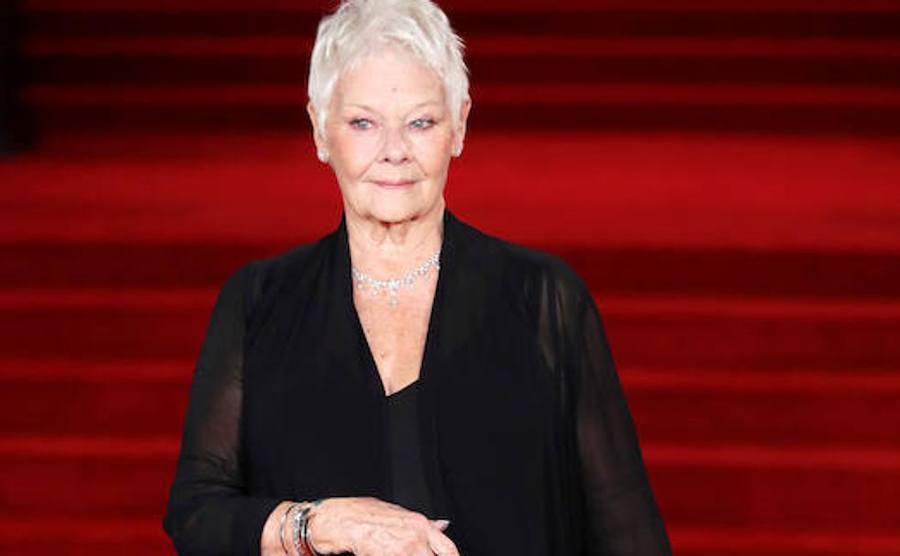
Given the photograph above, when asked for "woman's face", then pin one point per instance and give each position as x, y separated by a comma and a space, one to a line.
389, 137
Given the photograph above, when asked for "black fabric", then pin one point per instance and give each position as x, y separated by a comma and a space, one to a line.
527, 443
409, 487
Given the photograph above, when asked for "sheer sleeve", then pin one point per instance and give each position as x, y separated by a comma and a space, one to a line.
209, 511
622, 518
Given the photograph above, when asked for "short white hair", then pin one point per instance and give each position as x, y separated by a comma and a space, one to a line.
360, 27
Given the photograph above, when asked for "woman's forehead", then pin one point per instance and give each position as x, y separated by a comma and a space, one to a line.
389, 77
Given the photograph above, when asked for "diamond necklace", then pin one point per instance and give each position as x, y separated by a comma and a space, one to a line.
392, 285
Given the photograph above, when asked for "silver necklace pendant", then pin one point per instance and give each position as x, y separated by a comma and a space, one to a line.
392, 285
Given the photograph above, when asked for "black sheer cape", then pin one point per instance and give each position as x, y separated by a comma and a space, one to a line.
527, 443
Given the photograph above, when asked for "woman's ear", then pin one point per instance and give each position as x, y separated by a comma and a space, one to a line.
318, 134
459, 133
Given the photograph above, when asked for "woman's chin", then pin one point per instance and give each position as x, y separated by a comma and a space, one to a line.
395, 213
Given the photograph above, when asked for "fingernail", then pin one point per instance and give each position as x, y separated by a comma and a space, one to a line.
441, 523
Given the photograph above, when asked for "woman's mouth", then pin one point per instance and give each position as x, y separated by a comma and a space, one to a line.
393, 183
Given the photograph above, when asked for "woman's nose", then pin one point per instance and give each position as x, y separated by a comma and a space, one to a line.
394, 149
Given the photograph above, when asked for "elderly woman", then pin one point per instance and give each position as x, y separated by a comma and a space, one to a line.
406, 385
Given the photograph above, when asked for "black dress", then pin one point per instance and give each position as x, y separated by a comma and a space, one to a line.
526, 442
408, 484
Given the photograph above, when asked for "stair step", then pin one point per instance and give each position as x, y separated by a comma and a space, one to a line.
714, 541
769, 487
652, 47
621, 104
778, 407
135, 397
746, 333
736, 456
227, 97
193, 69
79, 536
869, 6
117, 325
86, 477
789, 118
850, 109
503, 42
611, 270
834, 19
667, 193
645, 331
755, 486
144, 536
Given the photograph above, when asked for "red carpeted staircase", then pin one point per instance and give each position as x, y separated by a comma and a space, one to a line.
723, 174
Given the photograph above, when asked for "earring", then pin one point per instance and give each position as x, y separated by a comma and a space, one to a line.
457, 150
323, 155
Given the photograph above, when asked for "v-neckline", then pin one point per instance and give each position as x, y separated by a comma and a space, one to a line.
347, 279
401, 393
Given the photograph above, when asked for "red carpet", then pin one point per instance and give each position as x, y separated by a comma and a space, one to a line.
724, 175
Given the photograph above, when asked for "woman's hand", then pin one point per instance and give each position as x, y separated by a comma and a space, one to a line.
372, 527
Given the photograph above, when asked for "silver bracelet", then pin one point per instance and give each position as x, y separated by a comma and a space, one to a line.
281, 528
300, 529
304, 532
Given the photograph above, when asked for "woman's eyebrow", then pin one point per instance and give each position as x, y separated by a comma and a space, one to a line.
362, 106
370, 109
426, 103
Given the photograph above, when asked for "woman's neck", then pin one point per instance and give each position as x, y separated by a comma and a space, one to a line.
388, 249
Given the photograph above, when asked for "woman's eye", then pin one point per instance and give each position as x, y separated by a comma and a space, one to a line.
360, 123
422, 123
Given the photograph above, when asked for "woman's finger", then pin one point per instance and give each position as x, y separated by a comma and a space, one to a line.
441, 544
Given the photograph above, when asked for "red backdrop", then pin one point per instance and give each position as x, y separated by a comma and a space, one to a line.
724, 174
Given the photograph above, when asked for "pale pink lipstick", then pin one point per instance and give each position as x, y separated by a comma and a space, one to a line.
394, 184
